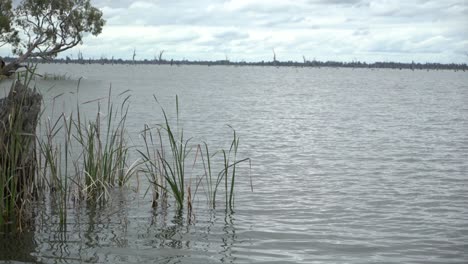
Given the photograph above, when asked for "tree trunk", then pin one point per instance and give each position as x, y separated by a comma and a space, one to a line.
9, 69
19, 113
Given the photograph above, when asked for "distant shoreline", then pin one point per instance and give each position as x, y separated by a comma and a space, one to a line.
312, 64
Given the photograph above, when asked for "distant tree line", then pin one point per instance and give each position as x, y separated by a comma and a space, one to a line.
306, 63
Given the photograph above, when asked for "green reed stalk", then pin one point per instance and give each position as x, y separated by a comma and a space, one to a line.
234, 147
88, 156
151, 165
174, 170
170, 167
225, 175
225, 172
208, 176
16, 170
51, 156
104, 150
166, 171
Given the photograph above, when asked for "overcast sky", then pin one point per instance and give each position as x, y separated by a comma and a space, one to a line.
345, 30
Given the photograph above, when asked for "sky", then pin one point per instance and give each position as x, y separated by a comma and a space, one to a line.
249, 30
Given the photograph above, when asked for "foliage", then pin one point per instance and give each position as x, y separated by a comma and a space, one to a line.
42, 29
6, 15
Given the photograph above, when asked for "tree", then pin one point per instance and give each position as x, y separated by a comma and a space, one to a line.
160, 56
44, 28
6, 15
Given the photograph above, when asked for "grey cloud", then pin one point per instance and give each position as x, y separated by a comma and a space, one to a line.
338, 2
267, 7
280, 21
209, 43
179, 39
231, 35
322, 28
418, 44
114, 3
361, 32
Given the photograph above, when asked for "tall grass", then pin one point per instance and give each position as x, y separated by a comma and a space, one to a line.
167, 170
76, 159
53, 163
54, 77
80, 159
17, 159
102, 144
166, 154
12, 174
226, 175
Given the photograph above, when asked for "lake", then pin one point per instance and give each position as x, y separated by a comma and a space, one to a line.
348, 166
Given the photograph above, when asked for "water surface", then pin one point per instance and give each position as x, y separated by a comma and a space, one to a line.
348, 166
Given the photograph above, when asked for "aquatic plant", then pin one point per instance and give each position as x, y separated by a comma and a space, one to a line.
50, 163
170, 166
13, 172
19, 113
165, 162
227, 173
54, 76
80, 159
103, 149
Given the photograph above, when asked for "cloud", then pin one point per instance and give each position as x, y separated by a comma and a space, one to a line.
230, 35
262, 5
430, 30
337, 2
361, 32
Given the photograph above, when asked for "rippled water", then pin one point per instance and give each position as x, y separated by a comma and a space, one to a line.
348, 166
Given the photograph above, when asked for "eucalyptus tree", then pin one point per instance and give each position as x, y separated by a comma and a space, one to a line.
44, 28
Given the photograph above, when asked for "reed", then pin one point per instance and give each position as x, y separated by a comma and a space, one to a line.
153, 164
54, 77
166, 154
76, 159
54, 154
103, 149
17, 159
166, 170
80, 159
226, 175
12, 196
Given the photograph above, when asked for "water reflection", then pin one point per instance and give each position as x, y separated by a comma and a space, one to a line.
228, 239
93, 233
89, 227
17, 247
